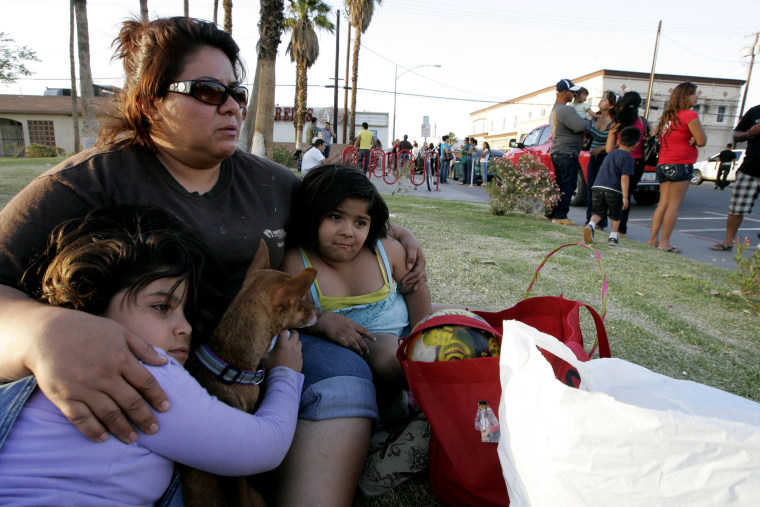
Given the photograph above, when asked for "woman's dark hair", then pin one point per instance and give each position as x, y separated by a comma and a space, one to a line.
153, 54
89, 260
322, 191
612, 98
678, 101
627, 110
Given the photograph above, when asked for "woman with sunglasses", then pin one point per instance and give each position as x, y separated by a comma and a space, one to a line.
173, 145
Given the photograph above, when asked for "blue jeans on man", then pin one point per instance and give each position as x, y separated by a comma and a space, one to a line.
566, 167
363, 160
327, 150
445, 171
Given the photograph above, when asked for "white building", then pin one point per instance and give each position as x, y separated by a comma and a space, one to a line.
47, 120
718, 106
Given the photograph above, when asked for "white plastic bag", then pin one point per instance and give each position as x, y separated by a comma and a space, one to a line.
628, 436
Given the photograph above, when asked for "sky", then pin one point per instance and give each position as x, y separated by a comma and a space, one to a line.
489, 51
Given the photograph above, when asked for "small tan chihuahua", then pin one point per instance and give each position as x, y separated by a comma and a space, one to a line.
269, 302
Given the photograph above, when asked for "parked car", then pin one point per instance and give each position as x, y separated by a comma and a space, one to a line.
708, 169
458, 172
539, 142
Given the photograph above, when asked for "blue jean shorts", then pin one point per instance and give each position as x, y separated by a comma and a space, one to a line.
674, 172
337, 383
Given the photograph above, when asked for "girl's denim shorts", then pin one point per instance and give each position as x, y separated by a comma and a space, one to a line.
674, 172
337, 383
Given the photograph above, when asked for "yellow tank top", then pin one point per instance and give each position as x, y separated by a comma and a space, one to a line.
365, 137
330, 303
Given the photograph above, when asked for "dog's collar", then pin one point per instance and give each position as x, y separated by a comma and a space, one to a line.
227, 373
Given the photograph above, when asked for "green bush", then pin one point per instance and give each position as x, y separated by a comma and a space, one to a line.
284, 156
39, 151
525, 185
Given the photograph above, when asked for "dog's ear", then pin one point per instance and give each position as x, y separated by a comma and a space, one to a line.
261, 259
289, 292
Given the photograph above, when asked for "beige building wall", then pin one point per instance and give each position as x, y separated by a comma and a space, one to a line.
718, 106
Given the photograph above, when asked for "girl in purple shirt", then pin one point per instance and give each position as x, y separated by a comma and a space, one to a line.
141, 268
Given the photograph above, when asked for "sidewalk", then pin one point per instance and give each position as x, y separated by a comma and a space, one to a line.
694, 247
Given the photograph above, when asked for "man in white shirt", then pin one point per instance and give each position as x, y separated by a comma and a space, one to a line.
314, 157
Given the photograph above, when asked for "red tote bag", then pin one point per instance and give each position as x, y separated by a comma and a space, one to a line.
463, 469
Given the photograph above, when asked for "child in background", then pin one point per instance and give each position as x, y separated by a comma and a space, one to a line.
581, 107
339, 227
298, 158
141, 268
610, 191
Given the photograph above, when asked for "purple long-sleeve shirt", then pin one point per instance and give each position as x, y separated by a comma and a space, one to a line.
47, 461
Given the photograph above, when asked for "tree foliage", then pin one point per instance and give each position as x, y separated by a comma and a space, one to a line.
302, 18
12, 60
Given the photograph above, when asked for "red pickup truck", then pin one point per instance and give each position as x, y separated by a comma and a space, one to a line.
539, 142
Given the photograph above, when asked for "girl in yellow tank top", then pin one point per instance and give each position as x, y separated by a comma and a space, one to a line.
339, 225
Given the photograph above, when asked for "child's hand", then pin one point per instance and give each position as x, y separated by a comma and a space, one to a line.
625, 203
346, 332
286, 352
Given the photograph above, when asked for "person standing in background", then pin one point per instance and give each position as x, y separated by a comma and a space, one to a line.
365, 140
747, 184
680, 133
328, 135
567, 134
725, 162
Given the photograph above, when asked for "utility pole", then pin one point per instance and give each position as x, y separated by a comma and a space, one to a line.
753, 51
651, 74
346, 116
337, 54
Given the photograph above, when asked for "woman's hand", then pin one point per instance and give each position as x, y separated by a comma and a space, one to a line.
87, 366
345, 332
596, 151
415, 259
286, 352
84, 364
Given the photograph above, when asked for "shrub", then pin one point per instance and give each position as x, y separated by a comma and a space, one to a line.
747, 275
40, 151
525, 185
284, 156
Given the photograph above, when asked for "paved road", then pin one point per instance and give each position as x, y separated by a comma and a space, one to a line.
701, 222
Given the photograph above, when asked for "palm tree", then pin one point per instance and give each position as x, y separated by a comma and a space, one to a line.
216, 9
187, 8
144, 10
304, 15
74, 105
359, 14
227, 15
270, 31
85, 75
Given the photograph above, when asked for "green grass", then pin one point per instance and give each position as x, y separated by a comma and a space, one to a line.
660, 310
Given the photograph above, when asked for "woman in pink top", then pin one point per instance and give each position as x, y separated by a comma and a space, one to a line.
680, 133
627, 115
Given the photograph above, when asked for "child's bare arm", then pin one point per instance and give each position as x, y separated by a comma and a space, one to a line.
624, 187
417, 302
341, 330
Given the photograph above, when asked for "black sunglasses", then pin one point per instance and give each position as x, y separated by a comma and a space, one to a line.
210, 92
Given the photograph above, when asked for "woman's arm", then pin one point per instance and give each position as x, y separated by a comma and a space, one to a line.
611, 138
697, 132
202, 432
415, 258
83, 363
418, 301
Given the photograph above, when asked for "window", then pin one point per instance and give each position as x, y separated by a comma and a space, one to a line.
42, 132
514, 121
504, 123
721, 116
530, 114
546, 133
543, 112
532, 138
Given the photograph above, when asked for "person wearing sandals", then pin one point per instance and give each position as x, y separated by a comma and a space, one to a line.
680, 133
747, 185
598, 149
